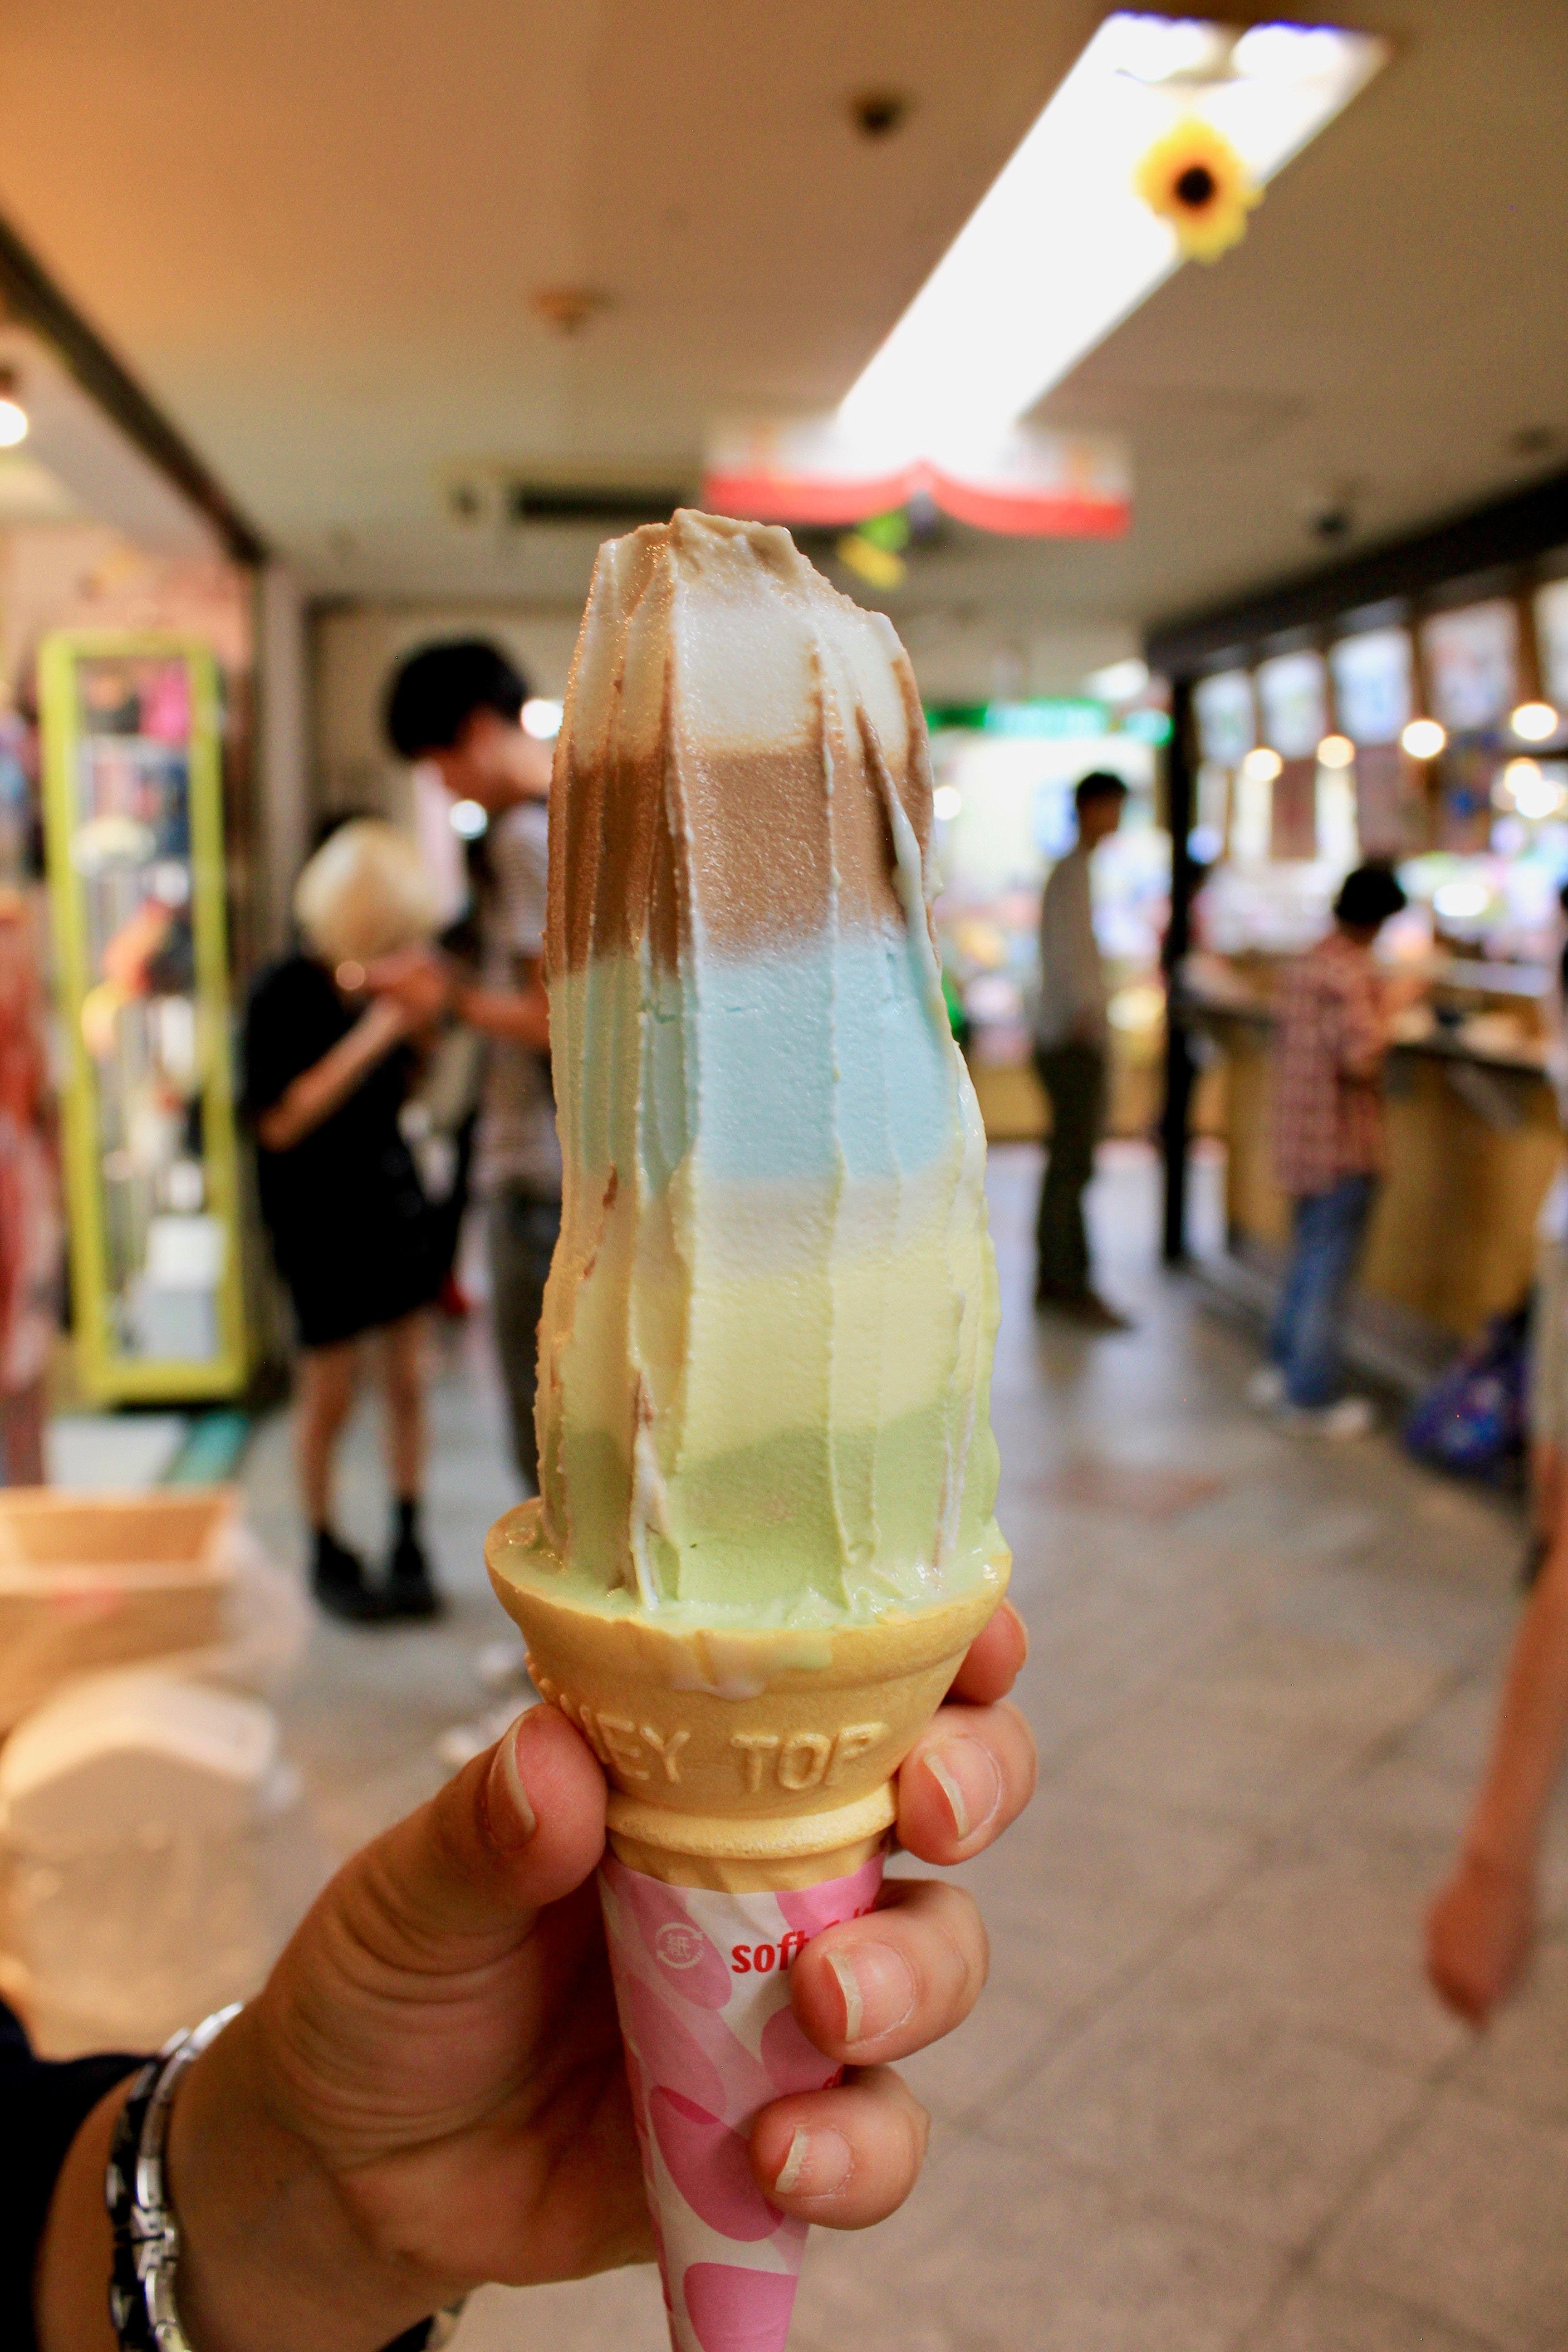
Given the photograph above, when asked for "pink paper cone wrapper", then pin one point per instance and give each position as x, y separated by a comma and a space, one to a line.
702, 1987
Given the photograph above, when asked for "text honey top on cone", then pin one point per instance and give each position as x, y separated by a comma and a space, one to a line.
765, 1358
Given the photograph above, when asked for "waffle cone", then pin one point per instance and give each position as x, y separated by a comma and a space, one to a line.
742, 1760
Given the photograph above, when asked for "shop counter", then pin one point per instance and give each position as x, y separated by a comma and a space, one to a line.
1474, 1141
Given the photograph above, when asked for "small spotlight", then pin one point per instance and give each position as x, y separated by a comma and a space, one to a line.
468, 820
1533, 722
1532, 792
13, 422
1336, 751
946, 800
541, 719
1424, 738
1262, 765
349, 976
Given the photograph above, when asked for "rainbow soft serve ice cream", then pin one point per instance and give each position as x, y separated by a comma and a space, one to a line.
765, 1352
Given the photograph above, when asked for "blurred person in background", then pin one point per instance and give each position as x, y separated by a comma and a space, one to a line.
328, 1068
1071, 1042
32, 1234
1331, 1034
458, 706
1481, 1928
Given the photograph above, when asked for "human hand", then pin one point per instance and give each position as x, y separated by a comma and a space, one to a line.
1479, 1932
418, 978
430, 2092
384, 1022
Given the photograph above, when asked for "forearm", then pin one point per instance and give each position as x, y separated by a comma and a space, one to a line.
1505, 1825
317, 1092
523, 1015
70, 2296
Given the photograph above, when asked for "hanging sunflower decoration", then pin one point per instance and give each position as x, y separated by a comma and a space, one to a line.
1194, 178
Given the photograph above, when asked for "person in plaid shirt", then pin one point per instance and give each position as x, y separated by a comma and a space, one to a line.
1331, 1036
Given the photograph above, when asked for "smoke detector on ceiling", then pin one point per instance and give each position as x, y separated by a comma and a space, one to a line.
569, 309
1328, 510
878, 113
473, 498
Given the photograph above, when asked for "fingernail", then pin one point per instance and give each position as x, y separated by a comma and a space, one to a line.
966, 1774
512, 1818
878, 1987
818, 2162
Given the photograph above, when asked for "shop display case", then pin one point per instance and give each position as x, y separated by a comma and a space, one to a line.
133, 810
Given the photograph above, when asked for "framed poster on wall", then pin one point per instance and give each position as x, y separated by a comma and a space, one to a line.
1472, 664
133, 813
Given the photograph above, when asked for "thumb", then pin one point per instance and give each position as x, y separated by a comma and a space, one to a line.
518, 1828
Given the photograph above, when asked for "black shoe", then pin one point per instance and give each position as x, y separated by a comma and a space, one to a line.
1085, 1308
410, 1588
338, 1581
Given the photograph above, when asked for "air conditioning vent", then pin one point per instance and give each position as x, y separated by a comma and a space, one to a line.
604, 508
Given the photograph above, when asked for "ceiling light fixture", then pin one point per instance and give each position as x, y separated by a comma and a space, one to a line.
1424, 738
1062, 248
1336, 751
1533, 722
1262, 765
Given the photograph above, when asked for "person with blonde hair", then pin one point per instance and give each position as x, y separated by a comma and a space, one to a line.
328, 1065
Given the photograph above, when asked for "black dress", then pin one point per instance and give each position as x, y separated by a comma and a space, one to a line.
355, 1239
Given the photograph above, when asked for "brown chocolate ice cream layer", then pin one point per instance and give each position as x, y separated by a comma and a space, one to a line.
734, 846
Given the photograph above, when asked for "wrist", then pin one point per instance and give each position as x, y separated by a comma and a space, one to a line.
270, 2257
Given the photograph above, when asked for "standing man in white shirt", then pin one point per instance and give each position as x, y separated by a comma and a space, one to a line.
460, 706
1071, 1039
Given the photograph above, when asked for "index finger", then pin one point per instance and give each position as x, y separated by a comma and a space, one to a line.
993, 1660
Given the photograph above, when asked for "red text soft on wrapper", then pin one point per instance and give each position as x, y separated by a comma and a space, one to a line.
702, 1986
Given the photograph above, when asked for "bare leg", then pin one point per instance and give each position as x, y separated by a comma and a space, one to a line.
1481, 1928
23, 1412
403, 1370
328, 1379
411, 1589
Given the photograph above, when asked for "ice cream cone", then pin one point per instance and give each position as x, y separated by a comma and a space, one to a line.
751, 1794
767, 1534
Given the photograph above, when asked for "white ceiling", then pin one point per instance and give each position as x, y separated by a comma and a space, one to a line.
314, 228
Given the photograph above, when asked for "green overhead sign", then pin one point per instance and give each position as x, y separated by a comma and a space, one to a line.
1058, 719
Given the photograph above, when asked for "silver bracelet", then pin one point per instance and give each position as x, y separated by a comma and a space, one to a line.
141, 2306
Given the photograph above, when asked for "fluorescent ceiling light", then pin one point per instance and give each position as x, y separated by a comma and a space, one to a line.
1062, 248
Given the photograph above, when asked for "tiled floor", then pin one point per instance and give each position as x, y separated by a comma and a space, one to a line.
1206, 2104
